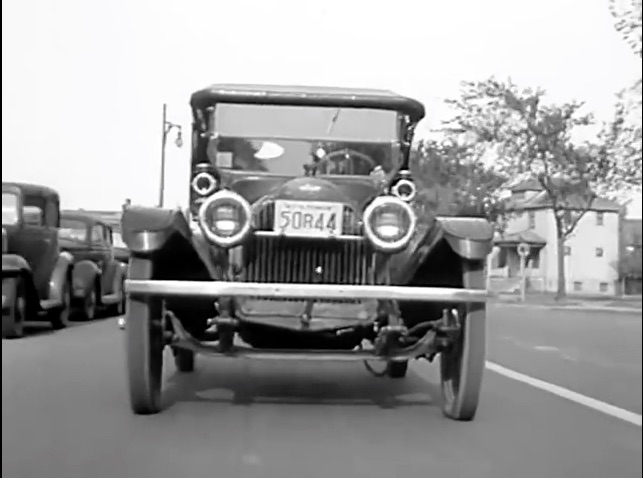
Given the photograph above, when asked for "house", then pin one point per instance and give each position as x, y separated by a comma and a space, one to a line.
591, 251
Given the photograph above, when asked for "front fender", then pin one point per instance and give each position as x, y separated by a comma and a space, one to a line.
84, 277
146, 230
59, 275
119, 277
12, 264
471, 238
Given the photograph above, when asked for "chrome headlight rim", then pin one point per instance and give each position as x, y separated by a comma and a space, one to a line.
237, 238
404, 183
383, 245
212, 183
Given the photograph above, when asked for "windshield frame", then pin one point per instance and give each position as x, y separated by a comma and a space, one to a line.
393, 141
396, 138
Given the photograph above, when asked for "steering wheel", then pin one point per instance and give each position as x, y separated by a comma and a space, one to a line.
345, 154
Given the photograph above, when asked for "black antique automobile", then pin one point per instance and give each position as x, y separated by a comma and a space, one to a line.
36, 272
302, 241
98, 276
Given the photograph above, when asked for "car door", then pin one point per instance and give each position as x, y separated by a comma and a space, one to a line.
36, 242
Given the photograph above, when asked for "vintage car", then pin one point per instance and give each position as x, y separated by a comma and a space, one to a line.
36, 272
302, 241
99, 277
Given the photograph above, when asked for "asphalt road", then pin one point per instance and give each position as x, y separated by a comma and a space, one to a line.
65, 410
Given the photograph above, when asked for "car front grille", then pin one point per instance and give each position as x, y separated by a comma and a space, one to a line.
282, 260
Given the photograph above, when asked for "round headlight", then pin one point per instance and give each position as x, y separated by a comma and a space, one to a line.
224, 218
389, 223
404, 189
204, 183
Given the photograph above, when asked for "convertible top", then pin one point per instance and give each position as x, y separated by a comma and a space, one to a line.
307, 96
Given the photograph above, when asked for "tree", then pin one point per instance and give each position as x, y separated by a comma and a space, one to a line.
453, 180
627, 15
530, 137
622, 139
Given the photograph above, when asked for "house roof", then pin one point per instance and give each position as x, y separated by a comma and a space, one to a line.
527, 236
542, 201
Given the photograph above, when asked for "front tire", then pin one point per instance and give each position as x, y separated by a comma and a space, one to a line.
144, 345
462, 364
60, 317
89, 305
13, 322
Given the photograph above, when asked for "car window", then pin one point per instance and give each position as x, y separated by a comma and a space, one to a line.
33, 216
72, 230
33, 210
9, 208
97, 234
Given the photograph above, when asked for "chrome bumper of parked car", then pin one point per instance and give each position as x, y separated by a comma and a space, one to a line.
179, 288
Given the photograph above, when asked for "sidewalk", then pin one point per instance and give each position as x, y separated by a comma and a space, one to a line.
614, 304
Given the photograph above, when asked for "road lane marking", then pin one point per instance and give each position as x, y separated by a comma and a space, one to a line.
606, 408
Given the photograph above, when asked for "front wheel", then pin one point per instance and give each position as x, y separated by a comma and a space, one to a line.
13, 318
89, 304
144, 345
60, 316
462, 364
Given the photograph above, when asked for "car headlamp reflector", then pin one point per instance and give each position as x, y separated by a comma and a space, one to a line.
389, 223
224, 218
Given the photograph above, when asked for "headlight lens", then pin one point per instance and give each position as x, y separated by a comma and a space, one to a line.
224, 218
389, 223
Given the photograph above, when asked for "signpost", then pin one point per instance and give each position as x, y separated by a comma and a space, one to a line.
523, 252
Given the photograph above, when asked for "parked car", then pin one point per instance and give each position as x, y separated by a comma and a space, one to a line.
303, 239
98, 276
36, 272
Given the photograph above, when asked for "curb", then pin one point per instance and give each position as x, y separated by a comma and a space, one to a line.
595, 308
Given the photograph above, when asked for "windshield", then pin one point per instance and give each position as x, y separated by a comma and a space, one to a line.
72, 230
298, 141
9, 208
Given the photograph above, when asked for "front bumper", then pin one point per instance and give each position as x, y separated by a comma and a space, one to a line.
214, 289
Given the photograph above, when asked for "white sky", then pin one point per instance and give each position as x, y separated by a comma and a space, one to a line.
83, 81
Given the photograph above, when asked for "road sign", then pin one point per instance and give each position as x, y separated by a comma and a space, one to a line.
523, 249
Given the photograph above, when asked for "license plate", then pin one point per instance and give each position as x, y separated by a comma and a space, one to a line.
308, 219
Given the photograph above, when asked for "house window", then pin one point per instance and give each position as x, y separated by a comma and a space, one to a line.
599, 219
532, 219
599, 252
578, 286
568, 251
603, 287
